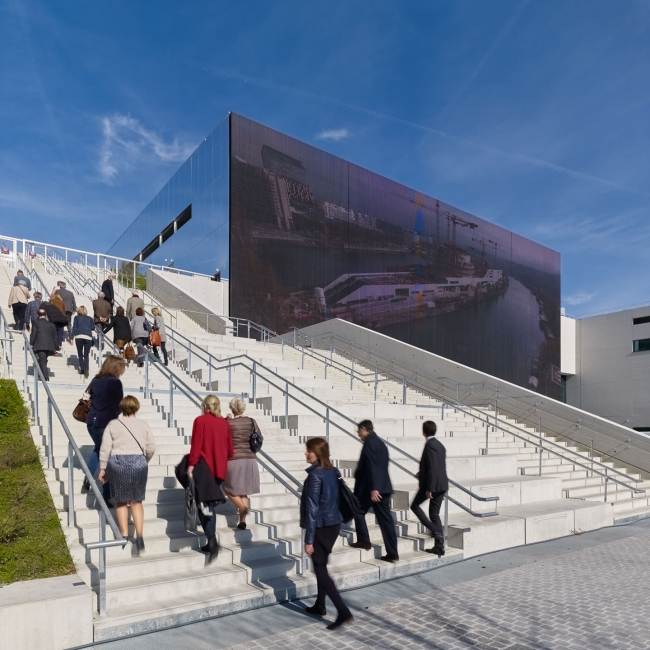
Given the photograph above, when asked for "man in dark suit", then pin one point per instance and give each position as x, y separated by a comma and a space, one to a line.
433, 485
373, 488
108, 291
43, 341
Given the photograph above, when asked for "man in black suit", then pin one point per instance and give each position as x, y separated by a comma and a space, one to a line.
43, 341
373, 488
109, 293
433, 485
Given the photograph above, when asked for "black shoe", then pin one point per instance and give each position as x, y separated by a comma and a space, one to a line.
346, 619
139, 545
366, 546
319, 610
85, 486
436, 550
241, 525
205, 549
213, 550
390, 557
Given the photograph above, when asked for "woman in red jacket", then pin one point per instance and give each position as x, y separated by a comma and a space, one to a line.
211, 443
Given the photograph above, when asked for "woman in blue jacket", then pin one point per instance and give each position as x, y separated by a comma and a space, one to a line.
82, 333
321, 518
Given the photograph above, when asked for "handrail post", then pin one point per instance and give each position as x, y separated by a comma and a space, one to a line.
102, 564
487, 436
170, 415
592, 458
446, 518
376, 382
146, 375
70, 485
249, 329
189, 360
606, 481
541, 447
327, 424
286, 403
210, 373
229, 375
352, 374
50, 436
254, 380
403, 390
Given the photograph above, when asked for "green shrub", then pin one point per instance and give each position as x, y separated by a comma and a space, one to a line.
32, 543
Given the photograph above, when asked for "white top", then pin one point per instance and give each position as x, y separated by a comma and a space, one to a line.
118, 441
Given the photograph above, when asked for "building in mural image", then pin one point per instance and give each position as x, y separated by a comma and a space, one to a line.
315, 237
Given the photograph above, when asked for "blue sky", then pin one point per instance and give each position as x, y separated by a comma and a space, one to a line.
530, 114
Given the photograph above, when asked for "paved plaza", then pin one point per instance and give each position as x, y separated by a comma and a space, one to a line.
587, 591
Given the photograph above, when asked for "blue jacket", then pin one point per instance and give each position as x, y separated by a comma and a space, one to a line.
106, 393
28, 282
83, 325
31, 313
319, 505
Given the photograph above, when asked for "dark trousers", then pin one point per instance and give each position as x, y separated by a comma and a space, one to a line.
97, 433
59, 334
209, 523
140, 342
164, 351
83, 350
324, 540
42, 356
432, 522
19, 309
384, 519
69, 315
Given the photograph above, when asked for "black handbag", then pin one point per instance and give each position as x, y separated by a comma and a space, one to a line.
190, 511
255, 441
348, 503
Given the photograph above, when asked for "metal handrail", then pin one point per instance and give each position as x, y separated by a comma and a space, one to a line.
462, 407
327, 407
73, 449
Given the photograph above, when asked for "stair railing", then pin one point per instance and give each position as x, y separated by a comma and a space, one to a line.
495, 422
7, 343
261, 372
105, 516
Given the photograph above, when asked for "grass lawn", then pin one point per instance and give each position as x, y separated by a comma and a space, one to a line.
32, 543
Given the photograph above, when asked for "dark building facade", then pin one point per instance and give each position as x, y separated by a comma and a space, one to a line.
313, 237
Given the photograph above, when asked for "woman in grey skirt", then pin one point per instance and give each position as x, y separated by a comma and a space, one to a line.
243, 473
127, 447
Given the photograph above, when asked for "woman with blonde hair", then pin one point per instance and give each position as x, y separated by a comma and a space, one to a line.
212, 444
159, 326
243, 473
82, 333
127, 447
321, 518
106, 393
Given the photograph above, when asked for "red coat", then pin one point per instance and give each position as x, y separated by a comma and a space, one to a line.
212, 440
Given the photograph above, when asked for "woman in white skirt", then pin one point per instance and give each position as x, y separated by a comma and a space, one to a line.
243, 473
127, 447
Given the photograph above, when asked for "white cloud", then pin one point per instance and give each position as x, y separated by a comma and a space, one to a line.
126, 142
333, 134
578, 299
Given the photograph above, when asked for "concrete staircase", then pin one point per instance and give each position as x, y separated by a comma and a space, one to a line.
170, 583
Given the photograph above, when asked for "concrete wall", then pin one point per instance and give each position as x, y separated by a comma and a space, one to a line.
204, 300
49, 614
440, 375
568, 345
611, 380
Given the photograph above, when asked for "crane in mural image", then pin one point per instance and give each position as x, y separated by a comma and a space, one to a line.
481, 243
454, 221
496, 246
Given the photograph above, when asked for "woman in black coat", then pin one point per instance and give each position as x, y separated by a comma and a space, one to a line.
121, 329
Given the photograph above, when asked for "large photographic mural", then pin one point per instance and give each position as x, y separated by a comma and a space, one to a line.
315, 237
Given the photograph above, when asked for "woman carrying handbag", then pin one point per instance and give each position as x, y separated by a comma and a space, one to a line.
321, 518
158, 337
127, 447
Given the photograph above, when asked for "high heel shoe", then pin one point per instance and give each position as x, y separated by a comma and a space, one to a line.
241, 525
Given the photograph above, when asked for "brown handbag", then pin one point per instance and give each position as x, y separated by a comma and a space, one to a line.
82, 409
155, 339
129, 352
